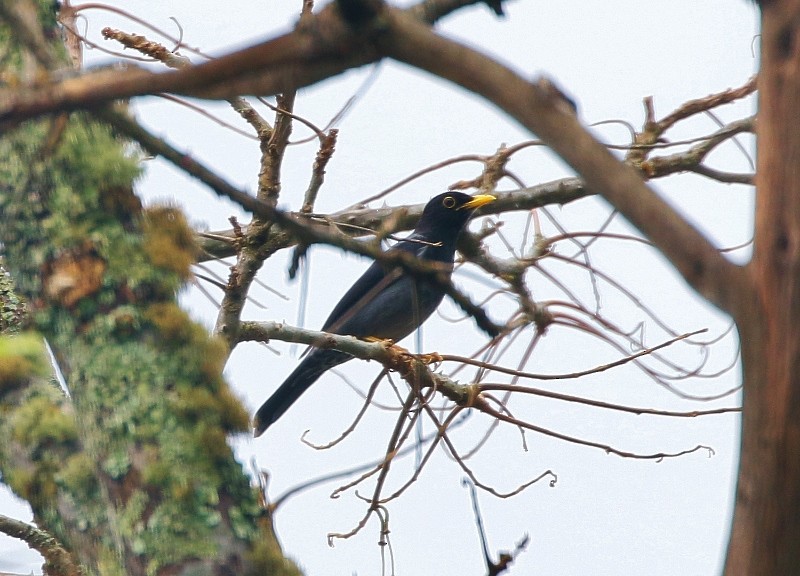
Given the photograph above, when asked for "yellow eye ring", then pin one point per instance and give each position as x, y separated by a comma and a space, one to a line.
449, 202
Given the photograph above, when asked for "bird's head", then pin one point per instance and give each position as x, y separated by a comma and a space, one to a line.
450, 212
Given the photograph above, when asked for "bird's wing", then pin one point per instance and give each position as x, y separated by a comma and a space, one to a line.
375, 279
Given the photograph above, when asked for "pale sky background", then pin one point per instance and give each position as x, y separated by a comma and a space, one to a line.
605, 515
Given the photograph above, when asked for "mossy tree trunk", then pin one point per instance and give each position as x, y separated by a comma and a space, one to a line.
132, 472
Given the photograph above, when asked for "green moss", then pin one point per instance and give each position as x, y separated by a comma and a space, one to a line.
145, 380
232, 413
163, 535
117, 463
204, 396
146, 384
108, 563
192, 404
176, 328
169, 240
36, 485
155, 394
40, 421
215, 354
214, 440
20, 480
157, 472
77, 473
88, 162
266, 558
124, 322
132, 519
94, 160
22, 357
13, 309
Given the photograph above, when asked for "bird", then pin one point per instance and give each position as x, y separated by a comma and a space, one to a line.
386, 302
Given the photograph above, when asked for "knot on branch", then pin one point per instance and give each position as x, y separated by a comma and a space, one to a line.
473, 391
359, 13
542, 318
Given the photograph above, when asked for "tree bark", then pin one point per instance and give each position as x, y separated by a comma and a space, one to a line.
766, 530
131, 473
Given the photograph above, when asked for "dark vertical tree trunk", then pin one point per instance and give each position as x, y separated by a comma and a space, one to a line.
766, 528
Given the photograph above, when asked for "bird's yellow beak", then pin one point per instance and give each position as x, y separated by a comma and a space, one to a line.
478, 201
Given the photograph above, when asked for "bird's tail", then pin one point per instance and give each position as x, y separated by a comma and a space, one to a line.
306, 373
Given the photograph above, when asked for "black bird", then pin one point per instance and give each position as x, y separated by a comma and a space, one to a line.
385, 302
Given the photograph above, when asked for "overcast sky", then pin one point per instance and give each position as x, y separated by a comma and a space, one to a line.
605, 515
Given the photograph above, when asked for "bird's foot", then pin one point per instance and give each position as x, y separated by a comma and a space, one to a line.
430, 358
386, 341
427, 359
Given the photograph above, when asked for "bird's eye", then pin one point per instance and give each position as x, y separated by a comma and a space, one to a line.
449, 202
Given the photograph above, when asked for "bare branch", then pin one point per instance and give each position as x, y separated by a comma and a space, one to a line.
360, 220
541, 108
604, 367
57, 559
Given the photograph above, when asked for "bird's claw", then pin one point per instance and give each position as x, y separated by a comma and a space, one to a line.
388, 342
427, 359
430, 358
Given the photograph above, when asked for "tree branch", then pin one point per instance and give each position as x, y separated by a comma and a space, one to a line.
324, 45
390, 219
542, 109
57, 560
408, 366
